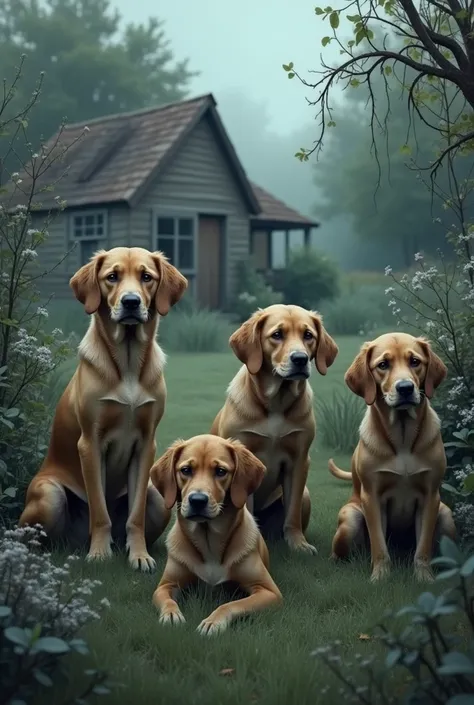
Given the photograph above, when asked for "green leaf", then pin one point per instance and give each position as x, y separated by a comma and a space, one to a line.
354, 82
388, 70
288, 67
360, 36
354, 18
100, 690
468, 568
331, 123
447, 574
393, 657
462, 14
325, 41
334, 20
427, 602
319, 10
291, 75
449, 549
17, 636
405, 149
449, 488
5, 611
468, 483
52, 645
10, 492
456, 664
42, 678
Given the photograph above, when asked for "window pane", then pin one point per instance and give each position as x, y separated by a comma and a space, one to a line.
88, 247
89, 219
78, 220
90, 231
166, 245
165, 226
186, 227
186, 254
99, 230
78, 232
99, 218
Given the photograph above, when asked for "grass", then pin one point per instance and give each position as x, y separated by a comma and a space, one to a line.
269, 653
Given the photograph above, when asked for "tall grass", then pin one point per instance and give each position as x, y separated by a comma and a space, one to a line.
198, 331
338, 418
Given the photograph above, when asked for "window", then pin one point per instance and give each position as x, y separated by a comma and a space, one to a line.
88, 233
175, 237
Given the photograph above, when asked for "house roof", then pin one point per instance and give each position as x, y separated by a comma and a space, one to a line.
114, 158
276, 214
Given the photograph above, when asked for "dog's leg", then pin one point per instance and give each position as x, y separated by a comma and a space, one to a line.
294, 484
100, 525
138, 477
305, 509
427, 517
46, 504
175, 577
255, 579
157, 516
349, 530
446, 523
378, 545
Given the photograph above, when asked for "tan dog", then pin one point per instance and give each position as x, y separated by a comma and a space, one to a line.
399, 463
269, 406
103, 437
215, 538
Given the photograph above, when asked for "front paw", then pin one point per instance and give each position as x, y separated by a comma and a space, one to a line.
297, 542
172, 617
423, 572
100, 549
141, 560
380, 570
213, 625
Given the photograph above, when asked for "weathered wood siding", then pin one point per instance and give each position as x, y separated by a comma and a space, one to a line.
200, 180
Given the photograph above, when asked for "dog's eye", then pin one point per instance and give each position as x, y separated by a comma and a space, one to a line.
186, 471
221, 472
146, 277
384, 365
277, 335
112, 277
415, 362
308, 335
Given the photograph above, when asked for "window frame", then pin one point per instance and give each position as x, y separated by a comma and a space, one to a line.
179, 214
79, 239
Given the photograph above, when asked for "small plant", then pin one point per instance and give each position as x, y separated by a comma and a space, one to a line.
252, 291
460, 485
338, 418
42, 610
197, 331
308, 279
430, 659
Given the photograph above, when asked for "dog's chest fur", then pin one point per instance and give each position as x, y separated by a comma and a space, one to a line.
271, 438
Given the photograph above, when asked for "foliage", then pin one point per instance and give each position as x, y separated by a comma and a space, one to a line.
195, 331
252, 291
338, 419
460, 454
42, 609
28, 351
360, 309
308, 278
94, 64
427, 656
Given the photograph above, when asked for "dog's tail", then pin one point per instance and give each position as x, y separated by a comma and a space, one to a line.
337, 472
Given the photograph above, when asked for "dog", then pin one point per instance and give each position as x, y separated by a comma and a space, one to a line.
102, 443
399, 462
214, 538
269, 408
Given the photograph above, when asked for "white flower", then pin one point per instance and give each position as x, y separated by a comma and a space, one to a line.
388, 271
29, 254
389, 290
40, 311
418, 256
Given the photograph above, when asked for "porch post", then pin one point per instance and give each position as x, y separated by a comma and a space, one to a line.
269, 249
307, 238
287, 246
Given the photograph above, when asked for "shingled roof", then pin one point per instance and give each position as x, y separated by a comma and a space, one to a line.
115, 158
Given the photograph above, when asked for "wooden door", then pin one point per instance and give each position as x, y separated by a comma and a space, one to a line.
209, 262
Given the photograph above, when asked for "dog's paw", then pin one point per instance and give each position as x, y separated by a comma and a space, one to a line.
211, 626
172, 617
423, 573
142, 561
380, 571
99, 553
297, 542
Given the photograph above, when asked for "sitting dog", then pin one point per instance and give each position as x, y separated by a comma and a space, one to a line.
399, 462
215, 538
103, 437
269, 407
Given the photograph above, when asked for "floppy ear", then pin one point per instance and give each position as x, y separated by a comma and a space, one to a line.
162, 473
359, 377
171, 286
246, 343
85, 283
436, 370
249, 473
326, 351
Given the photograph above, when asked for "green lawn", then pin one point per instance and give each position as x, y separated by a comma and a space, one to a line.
270, 652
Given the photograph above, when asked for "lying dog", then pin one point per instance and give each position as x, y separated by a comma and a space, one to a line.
215, 538
103, 437
399, 463
269, 407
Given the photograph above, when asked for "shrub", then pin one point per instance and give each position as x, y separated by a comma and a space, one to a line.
425, 660
338, 418
308, 279
42, 610
252, 292
198, 331
355, 314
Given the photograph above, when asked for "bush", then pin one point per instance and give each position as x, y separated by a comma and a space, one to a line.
308, 279
425, 660
197, 331
356, 314
338, 418
42, 610
252, 292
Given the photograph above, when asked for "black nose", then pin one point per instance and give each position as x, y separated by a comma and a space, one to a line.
130, 302
299, 359
198, 501
405, 388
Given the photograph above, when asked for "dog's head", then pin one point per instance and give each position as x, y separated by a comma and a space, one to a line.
131, 281
398, 367
283, 340
203, 471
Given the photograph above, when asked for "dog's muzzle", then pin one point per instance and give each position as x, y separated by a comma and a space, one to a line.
131, 310
197, 507
407, 394
299, 366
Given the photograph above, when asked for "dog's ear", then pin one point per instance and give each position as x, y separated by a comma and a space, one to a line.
359, 377
246, 343
171, 286
85, 283
163, 473
248, 475
436, 370
327, 350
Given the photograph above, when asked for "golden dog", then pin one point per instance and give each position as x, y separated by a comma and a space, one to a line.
215, 538
269, 407
103, 437
399, 463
